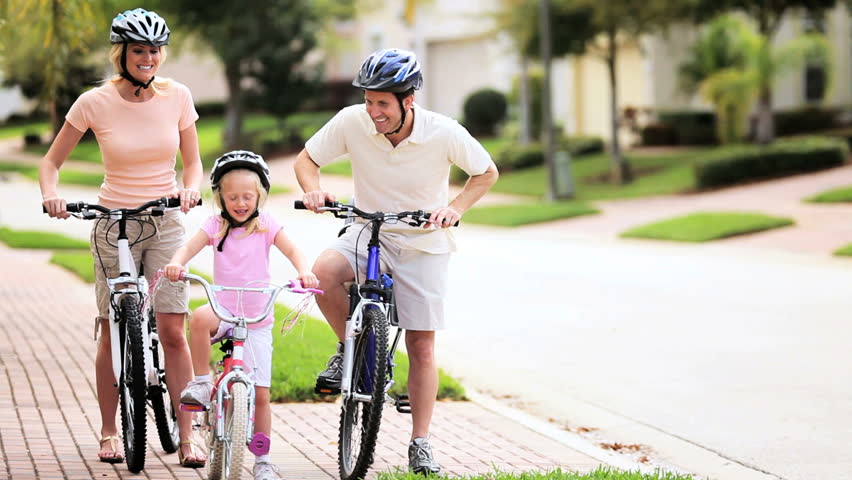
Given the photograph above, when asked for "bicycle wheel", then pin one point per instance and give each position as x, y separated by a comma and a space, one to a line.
235, 436
215, 447
359, 421
133, 384
165, 415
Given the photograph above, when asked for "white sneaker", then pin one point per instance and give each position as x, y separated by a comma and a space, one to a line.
265, 471
197, 392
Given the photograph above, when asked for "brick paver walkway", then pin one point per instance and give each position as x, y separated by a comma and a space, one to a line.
49, 419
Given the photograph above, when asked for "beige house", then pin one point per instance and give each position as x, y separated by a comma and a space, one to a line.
461, 52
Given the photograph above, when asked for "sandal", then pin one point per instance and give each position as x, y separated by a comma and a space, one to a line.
116, 457
184, 462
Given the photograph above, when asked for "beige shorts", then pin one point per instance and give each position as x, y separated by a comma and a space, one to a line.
166, 235
419, 278
257, 352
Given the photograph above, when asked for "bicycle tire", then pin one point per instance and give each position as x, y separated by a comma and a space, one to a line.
360, 421
133, 385
235, 438
215, 447
165, 416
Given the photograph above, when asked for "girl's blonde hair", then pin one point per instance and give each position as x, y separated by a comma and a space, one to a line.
252, 225
158, 86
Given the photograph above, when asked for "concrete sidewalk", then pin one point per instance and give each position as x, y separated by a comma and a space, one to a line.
50, 421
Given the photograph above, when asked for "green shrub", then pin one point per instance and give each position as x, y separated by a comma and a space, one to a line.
804, 120
742, 163
691, 127
483, 110
536, 88
210, 109
658, 134
581, 145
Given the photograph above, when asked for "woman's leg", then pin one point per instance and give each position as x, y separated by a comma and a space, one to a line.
178, 366
107, 391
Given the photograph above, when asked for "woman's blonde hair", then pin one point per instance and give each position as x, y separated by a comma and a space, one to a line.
158, 86
252, 225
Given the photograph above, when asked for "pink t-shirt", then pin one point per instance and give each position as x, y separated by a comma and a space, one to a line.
243, 262
138, 141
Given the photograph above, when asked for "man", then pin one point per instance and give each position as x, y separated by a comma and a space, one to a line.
401, 156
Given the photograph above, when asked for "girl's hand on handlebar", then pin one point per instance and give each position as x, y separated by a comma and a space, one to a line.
444, 217
55, 207
173, 271
308, 279
188, 199
316, 199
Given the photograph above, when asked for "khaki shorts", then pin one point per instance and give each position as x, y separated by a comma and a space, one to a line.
419, 278
166, 236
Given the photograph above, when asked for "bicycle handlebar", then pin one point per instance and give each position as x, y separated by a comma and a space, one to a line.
81, 207
419, 217
292, 286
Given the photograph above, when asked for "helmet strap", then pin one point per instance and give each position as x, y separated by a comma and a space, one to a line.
401, 120
232, 224
128, 77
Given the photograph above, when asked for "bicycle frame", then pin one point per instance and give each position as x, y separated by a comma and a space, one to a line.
233, 366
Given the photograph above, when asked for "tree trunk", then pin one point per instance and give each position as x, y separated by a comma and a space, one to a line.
55, 119
621, 171
765, 129
233, 106
525, 106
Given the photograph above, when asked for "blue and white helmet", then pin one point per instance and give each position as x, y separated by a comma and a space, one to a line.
139, 26
390, 70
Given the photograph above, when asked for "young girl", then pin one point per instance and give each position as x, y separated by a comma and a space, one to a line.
241, 237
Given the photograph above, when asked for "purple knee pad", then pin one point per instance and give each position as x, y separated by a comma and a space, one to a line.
259, 444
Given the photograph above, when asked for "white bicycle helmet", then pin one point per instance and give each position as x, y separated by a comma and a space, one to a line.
139, 26
240, 159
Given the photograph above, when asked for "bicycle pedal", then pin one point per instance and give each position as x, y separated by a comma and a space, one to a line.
402, 404
326, 390
192, 407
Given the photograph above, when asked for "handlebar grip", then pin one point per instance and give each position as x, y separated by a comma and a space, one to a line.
69, 207
300, 205
175, 202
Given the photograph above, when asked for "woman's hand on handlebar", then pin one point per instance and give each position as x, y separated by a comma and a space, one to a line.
188, 198
55, 207
308, 279
174, 271
444, 217
316, 199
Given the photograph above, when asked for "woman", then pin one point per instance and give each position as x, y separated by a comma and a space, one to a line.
140, 122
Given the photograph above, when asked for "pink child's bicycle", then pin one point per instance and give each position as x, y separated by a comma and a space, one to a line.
229, 420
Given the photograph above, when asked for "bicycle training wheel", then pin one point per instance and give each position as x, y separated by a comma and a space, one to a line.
359, 421
133, 384
165, 415
235, 436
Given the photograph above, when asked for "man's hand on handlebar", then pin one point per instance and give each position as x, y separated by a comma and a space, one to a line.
316, 199
443, 218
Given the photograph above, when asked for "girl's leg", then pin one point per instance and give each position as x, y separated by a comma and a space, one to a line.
178, 365
262, 411
107, 392
202, 327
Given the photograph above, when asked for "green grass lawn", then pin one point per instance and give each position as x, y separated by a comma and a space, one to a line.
303, 351
601, 473
39, 240
66, 176
78, 263
525, 213
835, 195
845, 251
340, 167
706, 226
655, 175
10, 131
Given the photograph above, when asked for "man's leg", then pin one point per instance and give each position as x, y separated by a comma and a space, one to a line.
422, 379
332, 269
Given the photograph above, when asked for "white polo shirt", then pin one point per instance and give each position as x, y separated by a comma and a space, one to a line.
414, 175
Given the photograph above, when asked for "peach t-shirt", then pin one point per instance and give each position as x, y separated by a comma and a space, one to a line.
138, 141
